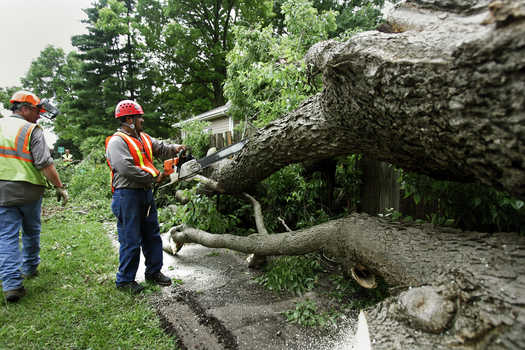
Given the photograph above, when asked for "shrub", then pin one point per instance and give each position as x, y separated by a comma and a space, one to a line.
294, 274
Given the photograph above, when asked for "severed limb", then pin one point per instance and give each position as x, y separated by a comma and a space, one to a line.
257, 261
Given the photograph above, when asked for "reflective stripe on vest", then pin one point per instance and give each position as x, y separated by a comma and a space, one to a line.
142, 155
142, 159
16, 161
21, 143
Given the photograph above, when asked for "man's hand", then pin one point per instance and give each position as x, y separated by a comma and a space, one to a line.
160, 177
61, 193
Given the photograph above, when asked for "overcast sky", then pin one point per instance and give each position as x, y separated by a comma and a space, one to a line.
28, 26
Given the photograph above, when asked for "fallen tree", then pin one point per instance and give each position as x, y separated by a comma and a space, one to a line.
441, 94
441, 97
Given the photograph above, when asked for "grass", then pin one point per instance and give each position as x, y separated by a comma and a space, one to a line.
73, 303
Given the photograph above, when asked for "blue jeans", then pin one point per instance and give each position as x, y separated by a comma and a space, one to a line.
13, 263
136, 230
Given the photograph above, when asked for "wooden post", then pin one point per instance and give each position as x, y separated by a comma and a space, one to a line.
380, 189
220, 141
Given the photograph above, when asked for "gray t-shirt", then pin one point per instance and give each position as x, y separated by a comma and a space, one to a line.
20, 192
125, 173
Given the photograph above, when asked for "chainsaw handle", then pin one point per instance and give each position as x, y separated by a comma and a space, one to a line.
180, 156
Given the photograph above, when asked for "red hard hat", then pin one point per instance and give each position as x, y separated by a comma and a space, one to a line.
127, 107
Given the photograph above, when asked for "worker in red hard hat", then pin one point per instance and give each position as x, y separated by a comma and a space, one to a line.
130, 153
25, 165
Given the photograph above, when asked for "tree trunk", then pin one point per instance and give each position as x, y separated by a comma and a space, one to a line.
441, 95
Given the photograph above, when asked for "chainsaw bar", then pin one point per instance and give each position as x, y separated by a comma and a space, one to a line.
223, 153
194, 166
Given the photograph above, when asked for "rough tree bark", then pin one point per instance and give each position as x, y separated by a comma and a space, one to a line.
442, 94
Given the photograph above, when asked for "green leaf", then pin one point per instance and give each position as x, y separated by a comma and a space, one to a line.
517, 204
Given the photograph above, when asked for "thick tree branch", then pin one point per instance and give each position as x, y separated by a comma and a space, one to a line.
475, 286
441, 97
293, 243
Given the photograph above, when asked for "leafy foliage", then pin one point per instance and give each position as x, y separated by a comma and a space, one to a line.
351, 15
468, 206
201, 212
348, 180
186, 44
306, 314
196, 137
266, 74
294, 274
5, 96
293, 198
358, 15
88, 180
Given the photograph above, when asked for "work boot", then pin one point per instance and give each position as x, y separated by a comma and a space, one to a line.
131, 287
159, 278
30, 275
14, 295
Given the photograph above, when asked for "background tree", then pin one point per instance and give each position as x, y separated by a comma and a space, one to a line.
351, 14
5, 95
187, 43
266, 73
113, 68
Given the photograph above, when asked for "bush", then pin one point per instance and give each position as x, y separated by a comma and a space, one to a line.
293, 198
201, 212
307, 315
467, 206
294, 274
197, 139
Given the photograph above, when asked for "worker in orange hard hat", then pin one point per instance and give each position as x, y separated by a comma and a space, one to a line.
25, 165
130, 153
25, 98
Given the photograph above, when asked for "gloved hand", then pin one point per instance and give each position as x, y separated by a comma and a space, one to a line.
61, 193
161, 177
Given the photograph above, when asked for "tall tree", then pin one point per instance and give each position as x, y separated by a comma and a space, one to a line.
266, 72
53, 75
113, 68
188, 41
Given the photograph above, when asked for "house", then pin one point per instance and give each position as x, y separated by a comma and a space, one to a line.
221, 126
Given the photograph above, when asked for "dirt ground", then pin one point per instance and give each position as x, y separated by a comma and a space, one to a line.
218, 305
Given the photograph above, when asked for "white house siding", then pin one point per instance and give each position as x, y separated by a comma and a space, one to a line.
220, 125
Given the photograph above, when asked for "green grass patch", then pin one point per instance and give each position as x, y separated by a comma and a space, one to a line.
73, 303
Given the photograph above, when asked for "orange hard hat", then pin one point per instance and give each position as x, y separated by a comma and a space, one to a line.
25, 96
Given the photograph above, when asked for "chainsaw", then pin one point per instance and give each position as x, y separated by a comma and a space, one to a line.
184, 166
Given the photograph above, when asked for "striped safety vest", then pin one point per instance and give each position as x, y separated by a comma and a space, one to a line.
142, 153
16, 161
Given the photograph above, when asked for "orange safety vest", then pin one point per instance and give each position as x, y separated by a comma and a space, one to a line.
142, 153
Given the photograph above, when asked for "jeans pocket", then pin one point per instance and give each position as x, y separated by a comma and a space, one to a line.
115, 205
